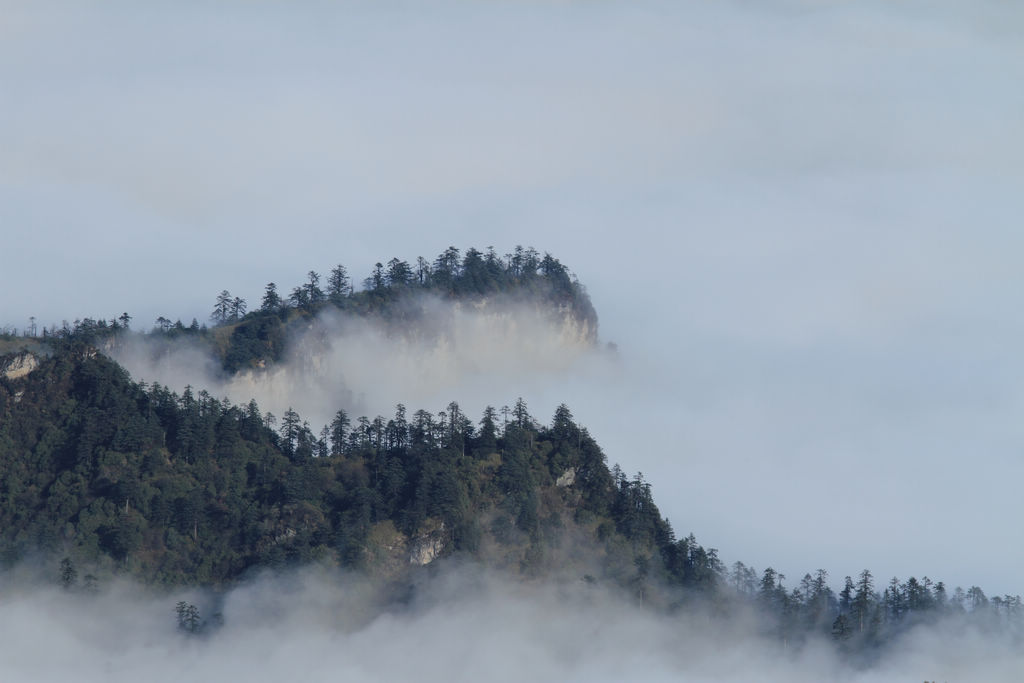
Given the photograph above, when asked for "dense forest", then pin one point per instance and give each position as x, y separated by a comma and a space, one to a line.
102, 475
188, 488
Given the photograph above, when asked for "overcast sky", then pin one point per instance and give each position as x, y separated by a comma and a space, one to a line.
799, 221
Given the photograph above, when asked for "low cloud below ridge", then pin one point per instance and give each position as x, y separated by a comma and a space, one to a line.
462, 624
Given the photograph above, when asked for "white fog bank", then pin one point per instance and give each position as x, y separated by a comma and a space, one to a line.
461, 625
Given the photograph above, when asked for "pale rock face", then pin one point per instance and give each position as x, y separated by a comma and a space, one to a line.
427, 547
567, 478
19, 366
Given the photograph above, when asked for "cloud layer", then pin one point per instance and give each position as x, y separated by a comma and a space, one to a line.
460, 625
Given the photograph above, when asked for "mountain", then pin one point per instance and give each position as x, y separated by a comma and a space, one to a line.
190, 489
118, 477
397, 296
187, 488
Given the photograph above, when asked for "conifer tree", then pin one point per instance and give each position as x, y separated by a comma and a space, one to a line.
338, 284
222, 309
271, 301
339, 432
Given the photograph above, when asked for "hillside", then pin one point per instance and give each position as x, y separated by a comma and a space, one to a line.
104, 476
396, 296
190, 489
109, 476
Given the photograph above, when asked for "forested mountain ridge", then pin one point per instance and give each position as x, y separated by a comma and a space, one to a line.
97, 443
116, 476
188, 488
397, 295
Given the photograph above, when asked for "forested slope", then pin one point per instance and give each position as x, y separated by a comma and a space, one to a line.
112, 476
397, 296
188, 488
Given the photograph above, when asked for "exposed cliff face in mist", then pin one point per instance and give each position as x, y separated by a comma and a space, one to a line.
445, 350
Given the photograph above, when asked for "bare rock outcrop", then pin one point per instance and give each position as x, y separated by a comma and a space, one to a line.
427, 547
18, 365
567, 478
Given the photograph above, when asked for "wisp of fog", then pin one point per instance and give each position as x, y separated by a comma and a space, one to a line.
461, 623
489, 353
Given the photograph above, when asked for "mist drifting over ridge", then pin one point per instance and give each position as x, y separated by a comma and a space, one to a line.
832, 189
453, 350
460, 598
